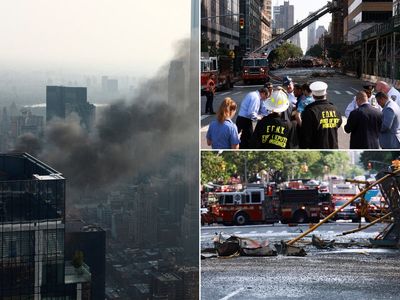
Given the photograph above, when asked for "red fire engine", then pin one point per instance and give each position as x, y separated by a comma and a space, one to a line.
265, 205
255, 68
221, 67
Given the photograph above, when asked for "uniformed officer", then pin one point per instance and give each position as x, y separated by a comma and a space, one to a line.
320, 121
272, 131
287, 84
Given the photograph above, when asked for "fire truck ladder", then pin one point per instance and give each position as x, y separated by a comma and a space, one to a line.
276, 42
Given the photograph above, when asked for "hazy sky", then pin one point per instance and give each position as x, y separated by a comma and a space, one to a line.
302, 8
115, 36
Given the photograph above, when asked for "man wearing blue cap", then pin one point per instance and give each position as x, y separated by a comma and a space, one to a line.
287, 84
320, 121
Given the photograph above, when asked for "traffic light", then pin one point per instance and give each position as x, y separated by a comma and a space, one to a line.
369, 166
241, 23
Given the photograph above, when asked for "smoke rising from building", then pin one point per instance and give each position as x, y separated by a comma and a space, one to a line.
130, 137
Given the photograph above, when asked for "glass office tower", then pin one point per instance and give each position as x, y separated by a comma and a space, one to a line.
32, 226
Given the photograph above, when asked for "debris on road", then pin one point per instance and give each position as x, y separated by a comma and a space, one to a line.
322, 244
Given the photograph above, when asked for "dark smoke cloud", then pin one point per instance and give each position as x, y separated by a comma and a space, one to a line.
129, 138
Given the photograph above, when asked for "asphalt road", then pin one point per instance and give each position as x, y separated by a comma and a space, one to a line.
355, 272
341, 90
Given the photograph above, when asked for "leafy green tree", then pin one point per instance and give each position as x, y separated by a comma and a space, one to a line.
284, 52
213, 168
315, 51
335, 51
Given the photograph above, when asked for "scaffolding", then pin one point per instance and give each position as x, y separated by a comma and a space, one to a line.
380, 50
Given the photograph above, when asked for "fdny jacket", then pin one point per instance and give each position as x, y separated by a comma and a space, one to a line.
272, 132
320, 123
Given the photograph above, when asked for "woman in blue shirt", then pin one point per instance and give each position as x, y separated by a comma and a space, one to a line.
222, 133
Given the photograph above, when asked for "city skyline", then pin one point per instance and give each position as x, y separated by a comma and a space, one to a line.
301, 12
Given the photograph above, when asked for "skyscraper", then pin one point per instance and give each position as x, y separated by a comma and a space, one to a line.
266, 21
284, 19
62, 101
32, 227
311, 35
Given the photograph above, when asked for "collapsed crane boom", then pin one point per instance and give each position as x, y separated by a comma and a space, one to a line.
277, 41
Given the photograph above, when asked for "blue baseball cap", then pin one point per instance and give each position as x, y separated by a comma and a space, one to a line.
287, 80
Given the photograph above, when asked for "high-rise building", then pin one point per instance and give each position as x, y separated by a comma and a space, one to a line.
362, 15
284, 19
338, 17
250, 35
62, 101
311, 35
32, 227
320, 32
283, 16
266, 21
220, 22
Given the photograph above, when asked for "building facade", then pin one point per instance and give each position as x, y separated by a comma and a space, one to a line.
32, 227
338, 22
311, 35
250, 35
62, 101
266, 21
396, 7
220, 23
363, 14
284, 19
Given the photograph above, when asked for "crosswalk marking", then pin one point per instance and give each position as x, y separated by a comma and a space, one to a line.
354, 90
237, 93
223, 94
350, 93
337, 92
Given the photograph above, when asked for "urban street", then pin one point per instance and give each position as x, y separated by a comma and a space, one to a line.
341, 91
351, 270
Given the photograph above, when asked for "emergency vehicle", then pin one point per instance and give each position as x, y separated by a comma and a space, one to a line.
255, 68
221, 67
268, 206
343, 191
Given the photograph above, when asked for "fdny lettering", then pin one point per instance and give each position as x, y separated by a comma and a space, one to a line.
275, 129
329, 119
275, 139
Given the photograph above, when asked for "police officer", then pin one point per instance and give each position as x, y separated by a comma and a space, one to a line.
320, 121
272, 131
287, 84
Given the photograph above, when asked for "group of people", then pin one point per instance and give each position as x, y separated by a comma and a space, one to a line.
374, 120
294, 116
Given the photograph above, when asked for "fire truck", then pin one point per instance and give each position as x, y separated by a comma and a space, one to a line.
221, 67
255, 69
266, 205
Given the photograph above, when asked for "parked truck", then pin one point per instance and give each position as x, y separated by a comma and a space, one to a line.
265, 205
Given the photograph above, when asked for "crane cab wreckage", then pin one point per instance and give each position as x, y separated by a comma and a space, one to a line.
388, 181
